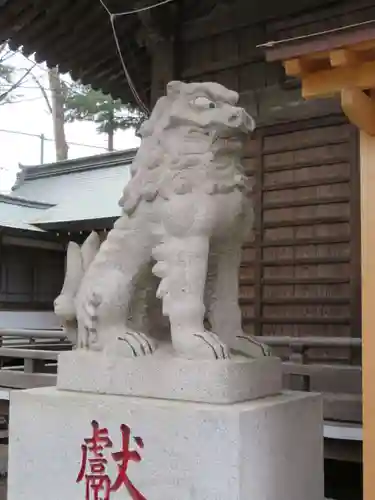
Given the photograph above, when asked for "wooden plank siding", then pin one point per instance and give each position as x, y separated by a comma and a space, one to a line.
300, 274
30, 277
223, 48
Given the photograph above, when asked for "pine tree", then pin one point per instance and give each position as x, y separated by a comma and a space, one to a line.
83, 103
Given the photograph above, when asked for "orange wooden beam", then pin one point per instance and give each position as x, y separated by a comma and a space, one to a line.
301, 66
367, 158
348, 74
344, 57
332, 81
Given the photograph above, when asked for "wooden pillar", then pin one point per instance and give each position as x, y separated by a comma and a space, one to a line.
367, 153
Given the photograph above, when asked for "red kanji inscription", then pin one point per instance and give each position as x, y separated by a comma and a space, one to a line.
123, 458
94, 464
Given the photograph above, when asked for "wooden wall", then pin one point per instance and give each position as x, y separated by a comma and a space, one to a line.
30, 277
301, 273
223, 48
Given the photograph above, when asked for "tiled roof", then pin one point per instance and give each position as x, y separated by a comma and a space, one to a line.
15, 212
73, 190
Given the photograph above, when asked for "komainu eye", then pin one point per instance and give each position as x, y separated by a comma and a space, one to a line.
203, 103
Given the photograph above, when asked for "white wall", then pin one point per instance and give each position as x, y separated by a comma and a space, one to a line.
29, 319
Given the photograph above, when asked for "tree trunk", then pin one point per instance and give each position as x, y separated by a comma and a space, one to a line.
111, 131
57, 99
110, 146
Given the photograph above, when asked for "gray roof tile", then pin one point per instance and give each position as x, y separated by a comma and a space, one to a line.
15, 212
73, 190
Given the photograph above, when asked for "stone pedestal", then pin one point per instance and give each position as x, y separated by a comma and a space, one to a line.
166, 376
266, 449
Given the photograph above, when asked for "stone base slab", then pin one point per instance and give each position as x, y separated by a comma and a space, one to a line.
268, 449
168, 377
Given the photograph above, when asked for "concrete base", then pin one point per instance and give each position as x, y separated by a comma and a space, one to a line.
166, 376
269, 449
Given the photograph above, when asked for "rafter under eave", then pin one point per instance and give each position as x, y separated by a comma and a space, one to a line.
338, 62
331, 81
345, 72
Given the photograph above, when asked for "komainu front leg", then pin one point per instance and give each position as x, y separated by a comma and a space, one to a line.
102, 318
103, 302
224, 312
182, 265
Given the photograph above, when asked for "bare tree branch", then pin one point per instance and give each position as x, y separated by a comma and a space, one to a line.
2, 47
16, 84
44, 93
4, 56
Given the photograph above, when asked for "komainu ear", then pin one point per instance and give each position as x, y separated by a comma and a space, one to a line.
174, 88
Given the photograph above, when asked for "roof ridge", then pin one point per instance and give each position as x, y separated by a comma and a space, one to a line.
24, 202
106, 160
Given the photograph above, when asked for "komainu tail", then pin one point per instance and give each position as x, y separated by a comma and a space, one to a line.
78, 260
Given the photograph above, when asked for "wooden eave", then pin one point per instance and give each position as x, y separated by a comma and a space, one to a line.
76, 36
337, 62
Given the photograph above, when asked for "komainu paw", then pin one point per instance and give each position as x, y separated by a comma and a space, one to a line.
131, 345
248, 346
203, 345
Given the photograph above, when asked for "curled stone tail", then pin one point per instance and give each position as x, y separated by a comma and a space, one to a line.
90, 322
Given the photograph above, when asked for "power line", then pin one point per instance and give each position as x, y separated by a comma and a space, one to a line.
17, 83
20, 101
29, 134
26, 87
39, 66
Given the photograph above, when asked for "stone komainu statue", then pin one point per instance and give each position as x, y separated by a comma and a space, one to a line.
186, 214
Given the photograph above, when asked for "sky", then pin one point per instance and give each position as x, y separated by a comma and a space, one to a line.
29, 114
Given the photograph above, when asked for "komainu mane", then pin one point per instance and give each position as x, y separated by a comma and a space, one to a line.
186, 213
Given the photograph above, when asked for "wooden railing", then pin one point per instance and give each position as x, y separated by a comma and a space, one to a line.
28, 358
31, 337
340, 384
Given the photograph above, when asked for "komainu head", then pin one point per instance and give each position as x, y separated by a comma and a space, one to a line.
193, 124
204, 106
